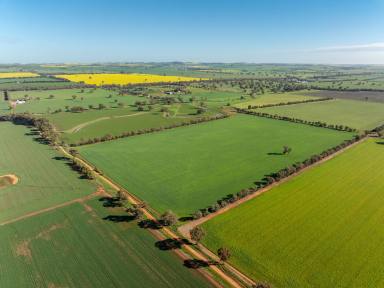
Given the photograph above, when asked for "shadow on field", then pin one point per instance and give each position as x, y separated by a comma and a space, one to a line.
275, 153
197, 263
150, 224
119, 218
380, 142
70, 164
171, 244
33, 132
110, 202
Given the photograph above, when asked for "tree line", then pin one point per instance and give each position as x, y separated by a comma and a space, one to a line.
289, 103
109, 137
274, 177
296, 120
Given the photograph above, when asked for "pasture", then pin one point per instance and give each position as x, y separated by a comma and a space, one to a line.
80, 246
355, 114
189, 168
323, 228
44, 178
47, 101
123, 79
116, 125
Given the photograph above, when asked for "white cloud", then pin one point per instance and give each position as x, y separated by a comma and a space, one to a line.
379, 46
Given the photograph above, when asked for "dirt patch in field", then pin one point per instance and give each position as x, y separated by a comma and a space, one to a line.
7, 180
23, 248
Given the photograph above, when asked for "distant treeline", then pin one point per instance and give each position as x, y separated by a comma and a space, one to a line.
50, 86
315, 87
296, 120
274, 177
289, 103
110, 137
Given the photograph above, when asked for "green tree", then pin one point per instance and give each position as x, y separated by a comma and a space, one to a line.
224, 254
197, 233
168, 218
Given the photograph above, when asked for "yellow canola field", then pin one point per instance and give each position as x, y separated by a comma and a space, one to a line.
123, 79
17, 74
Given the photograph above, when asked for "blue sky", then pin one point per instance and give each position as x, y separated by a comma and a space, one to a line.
278, 31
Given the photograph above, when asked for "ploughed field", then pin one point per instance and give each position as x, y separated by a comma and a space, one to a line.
323, 228
87, 245
44, 178
355, 114
189, 168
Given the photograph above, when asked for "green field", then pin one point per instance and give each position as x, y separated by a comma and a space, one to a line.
74, 247
63, 98
119, 124
275, 98
68, 121
44, 180
356, 114
189, 168
323, 228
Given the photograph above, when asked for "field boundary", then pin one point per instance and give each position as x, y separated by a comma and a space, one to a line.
184, 229
99, 192
165, 231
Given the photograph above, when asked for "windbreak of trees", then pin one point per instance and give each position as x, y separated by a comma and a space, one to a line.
274, 177
296, 120
110, 137
46, 130
289, 103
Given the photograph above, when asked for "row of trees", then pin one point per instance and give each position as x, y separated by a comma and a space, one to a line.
289, 103
46, 129
296, 120
110, 137
274, 177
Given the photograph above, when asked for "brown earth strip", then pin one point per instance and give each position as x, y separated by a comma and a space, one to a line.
99, 192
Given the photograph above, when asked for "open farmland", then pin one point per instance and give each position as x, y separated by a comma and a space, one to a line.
356, 114
17, 74
189, 168
77, 246
44, 179
116, 125
323, 228
123, 79
47, 101
276, 98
